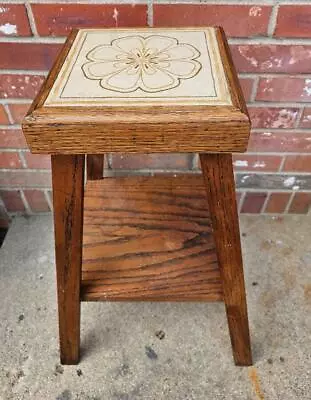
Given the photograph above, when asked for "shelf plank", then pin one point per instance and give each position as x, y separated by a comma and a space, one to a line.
148, 238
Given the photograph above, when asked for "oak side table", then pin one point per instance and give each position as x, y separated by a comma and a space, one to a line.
155, 238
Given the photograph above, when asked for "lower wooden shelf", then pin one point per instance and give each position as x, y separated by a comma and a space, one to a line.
148, 238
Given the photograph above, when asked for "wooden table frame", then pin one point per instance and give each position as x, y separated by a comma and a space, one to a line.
216, 133
68, 217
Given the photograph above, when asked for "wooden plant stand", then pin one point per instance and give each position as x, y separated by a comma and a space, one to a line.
159, 238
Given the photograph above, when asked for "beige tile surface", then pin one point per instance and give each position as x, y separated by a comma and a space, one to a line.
141, 66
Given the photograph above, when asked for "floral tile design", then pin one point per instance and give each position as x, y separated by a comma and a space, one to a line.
153, 64
141, 66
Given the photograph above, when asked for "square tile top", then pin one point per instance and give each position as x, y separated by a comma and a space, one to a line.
148, 90
119, 67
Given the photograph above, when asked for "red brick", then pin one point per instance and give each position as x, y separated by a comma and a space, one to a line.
247, 87
253, 203
297, 163
293, 21
10, 160
305, 121
39, 56
246, 162
152, 161
20, 86
3, 116
272, 58
300, 204
36, 200
59, 19
25, 178
12, 200
294, 141
277, 202
38, 161
18, 111
272, 117
284, 89
237, 20
14, 20
12, 139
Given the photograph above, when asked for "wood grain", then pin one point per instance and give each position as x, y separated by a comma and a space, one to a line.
148, 238
230, 72
144, 238
153, 129
68, 177
134, 129
48, 83
218, 174
95, 166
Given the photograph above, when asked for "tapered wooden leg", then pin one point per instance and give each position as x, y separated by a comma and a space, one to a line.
95, 166
68, 183
219, 180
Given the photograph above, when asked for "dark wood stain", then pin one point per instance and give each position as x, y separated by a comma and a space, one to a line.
144, 238
148, 238
219, 181
68, 176
95, 166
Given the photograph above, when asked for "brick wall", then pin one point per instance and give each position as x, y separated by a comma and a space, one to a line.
271, 45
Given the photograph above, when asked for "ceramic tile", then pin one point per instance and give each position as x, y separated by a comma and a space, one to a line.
141, 66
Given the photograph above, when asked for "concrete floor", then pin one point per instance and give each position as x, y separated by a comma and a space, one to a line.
124, 359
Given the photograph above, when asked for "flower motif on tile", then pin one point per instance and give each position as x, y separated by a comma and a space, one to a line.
152, 64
